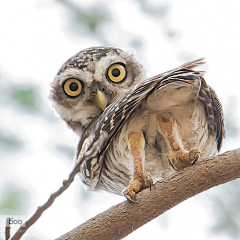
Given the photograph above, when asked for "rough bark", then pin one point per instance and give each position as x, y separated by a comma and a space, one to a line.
124, 218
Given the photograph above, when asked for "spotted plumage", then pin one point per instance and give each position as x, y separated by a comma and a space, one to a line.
148, 122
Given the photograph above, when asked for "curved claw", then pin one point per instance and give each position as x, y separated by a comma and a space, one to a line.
196, 158
129, 199
150, 182
171, 164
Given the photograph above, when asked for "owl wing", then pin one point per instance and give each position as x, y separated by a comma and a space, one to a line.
112, 119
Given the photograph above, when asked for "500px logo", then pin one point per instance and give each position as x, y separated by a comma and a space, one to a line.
12, 220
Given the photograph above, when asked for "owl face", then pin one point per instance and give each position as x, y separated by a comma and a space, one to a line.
91, 80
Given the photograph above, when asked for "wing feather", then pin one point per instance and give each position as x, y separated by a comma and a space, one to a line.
112, 119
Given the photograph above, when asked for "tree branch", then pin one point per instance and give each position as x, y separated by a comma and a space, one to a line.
124, 218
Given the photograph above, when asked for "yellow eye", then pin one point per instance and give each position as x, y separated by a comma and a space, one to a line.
117, 73
72, 87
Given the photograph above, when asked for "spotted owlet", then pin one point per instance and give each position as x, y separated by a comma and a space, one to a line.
154, 126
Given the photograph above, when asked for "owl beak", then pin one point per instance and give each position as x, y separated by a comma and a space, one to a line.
101, 100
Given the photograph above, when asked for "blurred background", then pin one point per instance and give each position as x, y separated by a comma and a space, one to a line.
36, 148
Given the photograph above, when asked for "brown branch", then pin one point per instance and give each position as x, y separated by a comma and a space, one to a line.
66, 183
124, 218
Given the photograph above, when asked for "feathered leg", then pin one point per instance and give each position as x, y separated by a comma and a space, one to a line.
178, 157
140, 179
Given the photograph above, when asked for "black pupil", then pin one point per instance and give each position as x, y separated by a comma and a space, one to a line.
73, 86
115, 72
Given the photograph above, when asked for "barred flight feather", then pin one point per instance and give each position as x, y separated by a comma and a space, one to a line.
113, 118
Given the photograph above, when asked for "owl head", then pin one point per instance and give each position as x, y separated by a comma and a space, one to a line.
91, 80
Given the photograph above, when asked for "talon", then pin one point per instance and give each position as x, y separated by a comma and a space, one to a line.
150, 182
129, 199
147, 181
196, 158
170, 162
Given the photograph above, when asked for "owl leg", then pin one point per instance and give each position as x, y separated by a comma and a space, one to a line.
178, 157
140, 179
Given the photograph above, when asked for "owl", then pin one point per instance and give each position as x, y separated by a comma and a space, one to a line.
151, 126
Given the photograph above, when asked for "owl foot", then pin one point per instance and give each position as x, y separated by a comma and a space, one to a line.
136, 185
180, 159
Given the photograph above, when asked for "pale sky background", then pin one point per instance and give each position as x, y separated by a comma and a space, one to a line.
35, 40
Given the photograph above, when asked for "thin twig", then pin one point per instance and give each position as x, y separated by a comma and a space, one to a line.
66, 183
7, 229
